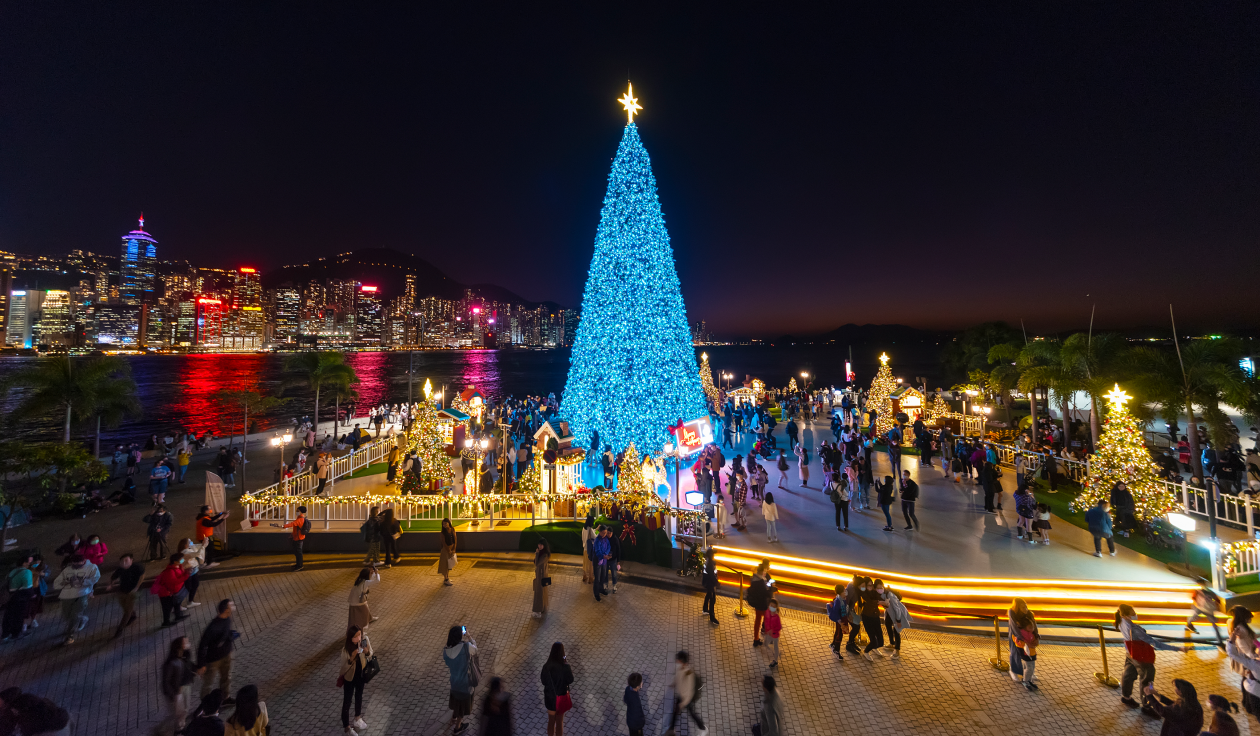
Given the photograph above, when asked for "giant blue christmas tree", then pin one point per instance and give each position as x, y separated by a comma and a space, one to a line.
633, 370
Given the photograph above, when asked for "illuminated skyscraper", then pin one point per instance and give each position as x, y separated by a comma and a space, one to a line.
138, 266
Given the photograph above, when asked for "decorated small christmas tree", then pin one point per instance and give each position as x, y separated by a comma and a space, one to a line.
1122, 456
423, 439
630, 477
882, 386
938, 409
706, 382
792, 385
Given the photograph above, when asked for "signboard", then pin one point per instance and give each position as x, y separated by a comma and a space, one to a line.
692, 436
216, 499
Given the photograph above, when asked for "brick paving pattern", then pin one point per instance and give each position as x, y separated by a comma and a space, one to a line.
292, 624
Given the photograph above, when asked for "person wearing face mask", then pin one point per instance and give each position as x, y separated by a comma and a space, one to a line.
853, 597
896, 619
871, 597
773, 628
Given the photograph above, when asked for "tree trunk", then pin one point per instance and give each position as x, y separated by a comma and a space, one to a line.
97, 451
67, 437
244, 444
1067, 422
1192, 434
1032, 406
1095, 431
317, 410
337, 417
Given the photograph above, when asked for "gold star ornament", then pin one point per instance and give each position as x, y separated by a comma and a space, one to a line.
883, 359
1117, 397
630, 102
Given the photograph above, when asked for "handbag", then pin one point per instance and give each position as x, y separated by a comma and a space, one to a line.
371, 669
564, 703
474, 670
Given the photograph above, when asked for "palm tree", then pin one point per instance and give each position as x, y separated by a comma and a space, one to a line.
1204, 375
1005, 375
317, 370
77, 390
1098, 362
1041, 366
247, 402
116, 400
342, 390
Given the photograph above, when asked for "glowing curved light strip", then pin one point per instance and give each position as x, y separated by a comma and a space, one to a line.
886, 575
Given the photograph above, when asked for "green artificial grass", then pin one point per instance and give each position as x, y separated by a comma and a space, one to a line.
651, 547
1068, 491
427, 525
374, 469
1245, 583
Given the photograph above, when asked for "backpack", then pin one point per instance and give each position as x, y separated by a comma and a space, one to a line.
306, 526
838, 610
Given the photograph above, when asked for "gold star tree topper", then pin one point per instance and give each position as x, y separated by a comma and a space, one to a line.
1117, 397
883, 359
630, 102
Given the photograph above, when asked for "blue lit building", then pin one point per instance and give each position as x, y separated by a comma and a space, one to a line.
136, 272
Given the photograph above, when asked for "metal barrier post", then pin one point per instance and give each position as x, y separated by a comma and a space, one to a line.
997, 661
740, 612
1185, 496
1105, 676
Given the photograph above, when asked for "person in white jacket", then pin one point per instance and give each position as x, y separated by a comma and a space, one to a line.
770, 510
75, 583
685, 693
896, 620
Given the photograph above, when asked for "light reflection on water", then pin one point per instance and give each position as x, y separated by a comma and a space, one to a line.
182, 390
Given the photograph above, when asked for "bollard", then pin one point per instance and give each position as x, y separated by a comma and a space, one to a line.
1105, 676
740, 612
998, 662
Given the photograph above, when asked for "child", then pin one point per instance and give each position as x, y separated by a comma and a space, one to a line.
772, 627
763, 479
1042, 523
956, 466
771, 513
719, 515
838, 612
634, 706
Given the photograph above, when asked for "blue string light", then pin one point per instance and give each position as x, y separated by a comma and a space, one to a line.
633, 370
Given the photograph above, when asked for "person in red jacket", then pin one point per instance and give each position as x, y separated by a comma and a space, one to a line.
169, 588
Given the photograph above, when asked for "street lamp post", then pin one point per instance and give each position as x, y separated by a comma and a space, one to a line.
279, 441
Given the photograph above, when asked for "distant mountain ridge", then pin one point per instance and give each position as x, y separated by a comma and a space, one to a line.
852, 334
387, 269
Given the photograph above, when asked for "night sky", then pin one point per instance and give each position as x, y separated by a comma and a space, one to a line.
931, 166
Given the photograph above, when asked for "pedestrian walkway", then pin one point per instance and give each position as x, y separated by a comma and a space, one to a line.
292, 626
957, 536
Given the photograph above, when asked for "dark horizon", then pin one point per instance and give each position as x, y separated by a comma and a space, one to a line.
865, 166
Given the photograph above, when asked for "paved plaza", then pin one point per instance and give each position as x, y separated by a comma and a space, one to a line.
291, 627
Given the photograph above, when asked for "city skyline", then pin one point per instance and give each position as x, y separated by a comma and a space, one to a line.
1070, 157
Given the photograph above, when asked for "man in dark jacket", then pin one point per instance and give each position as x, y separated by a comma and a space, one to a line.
1099, 522
758, 597
909, 494
214, 651
1123, 505
614, 560
160, 522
